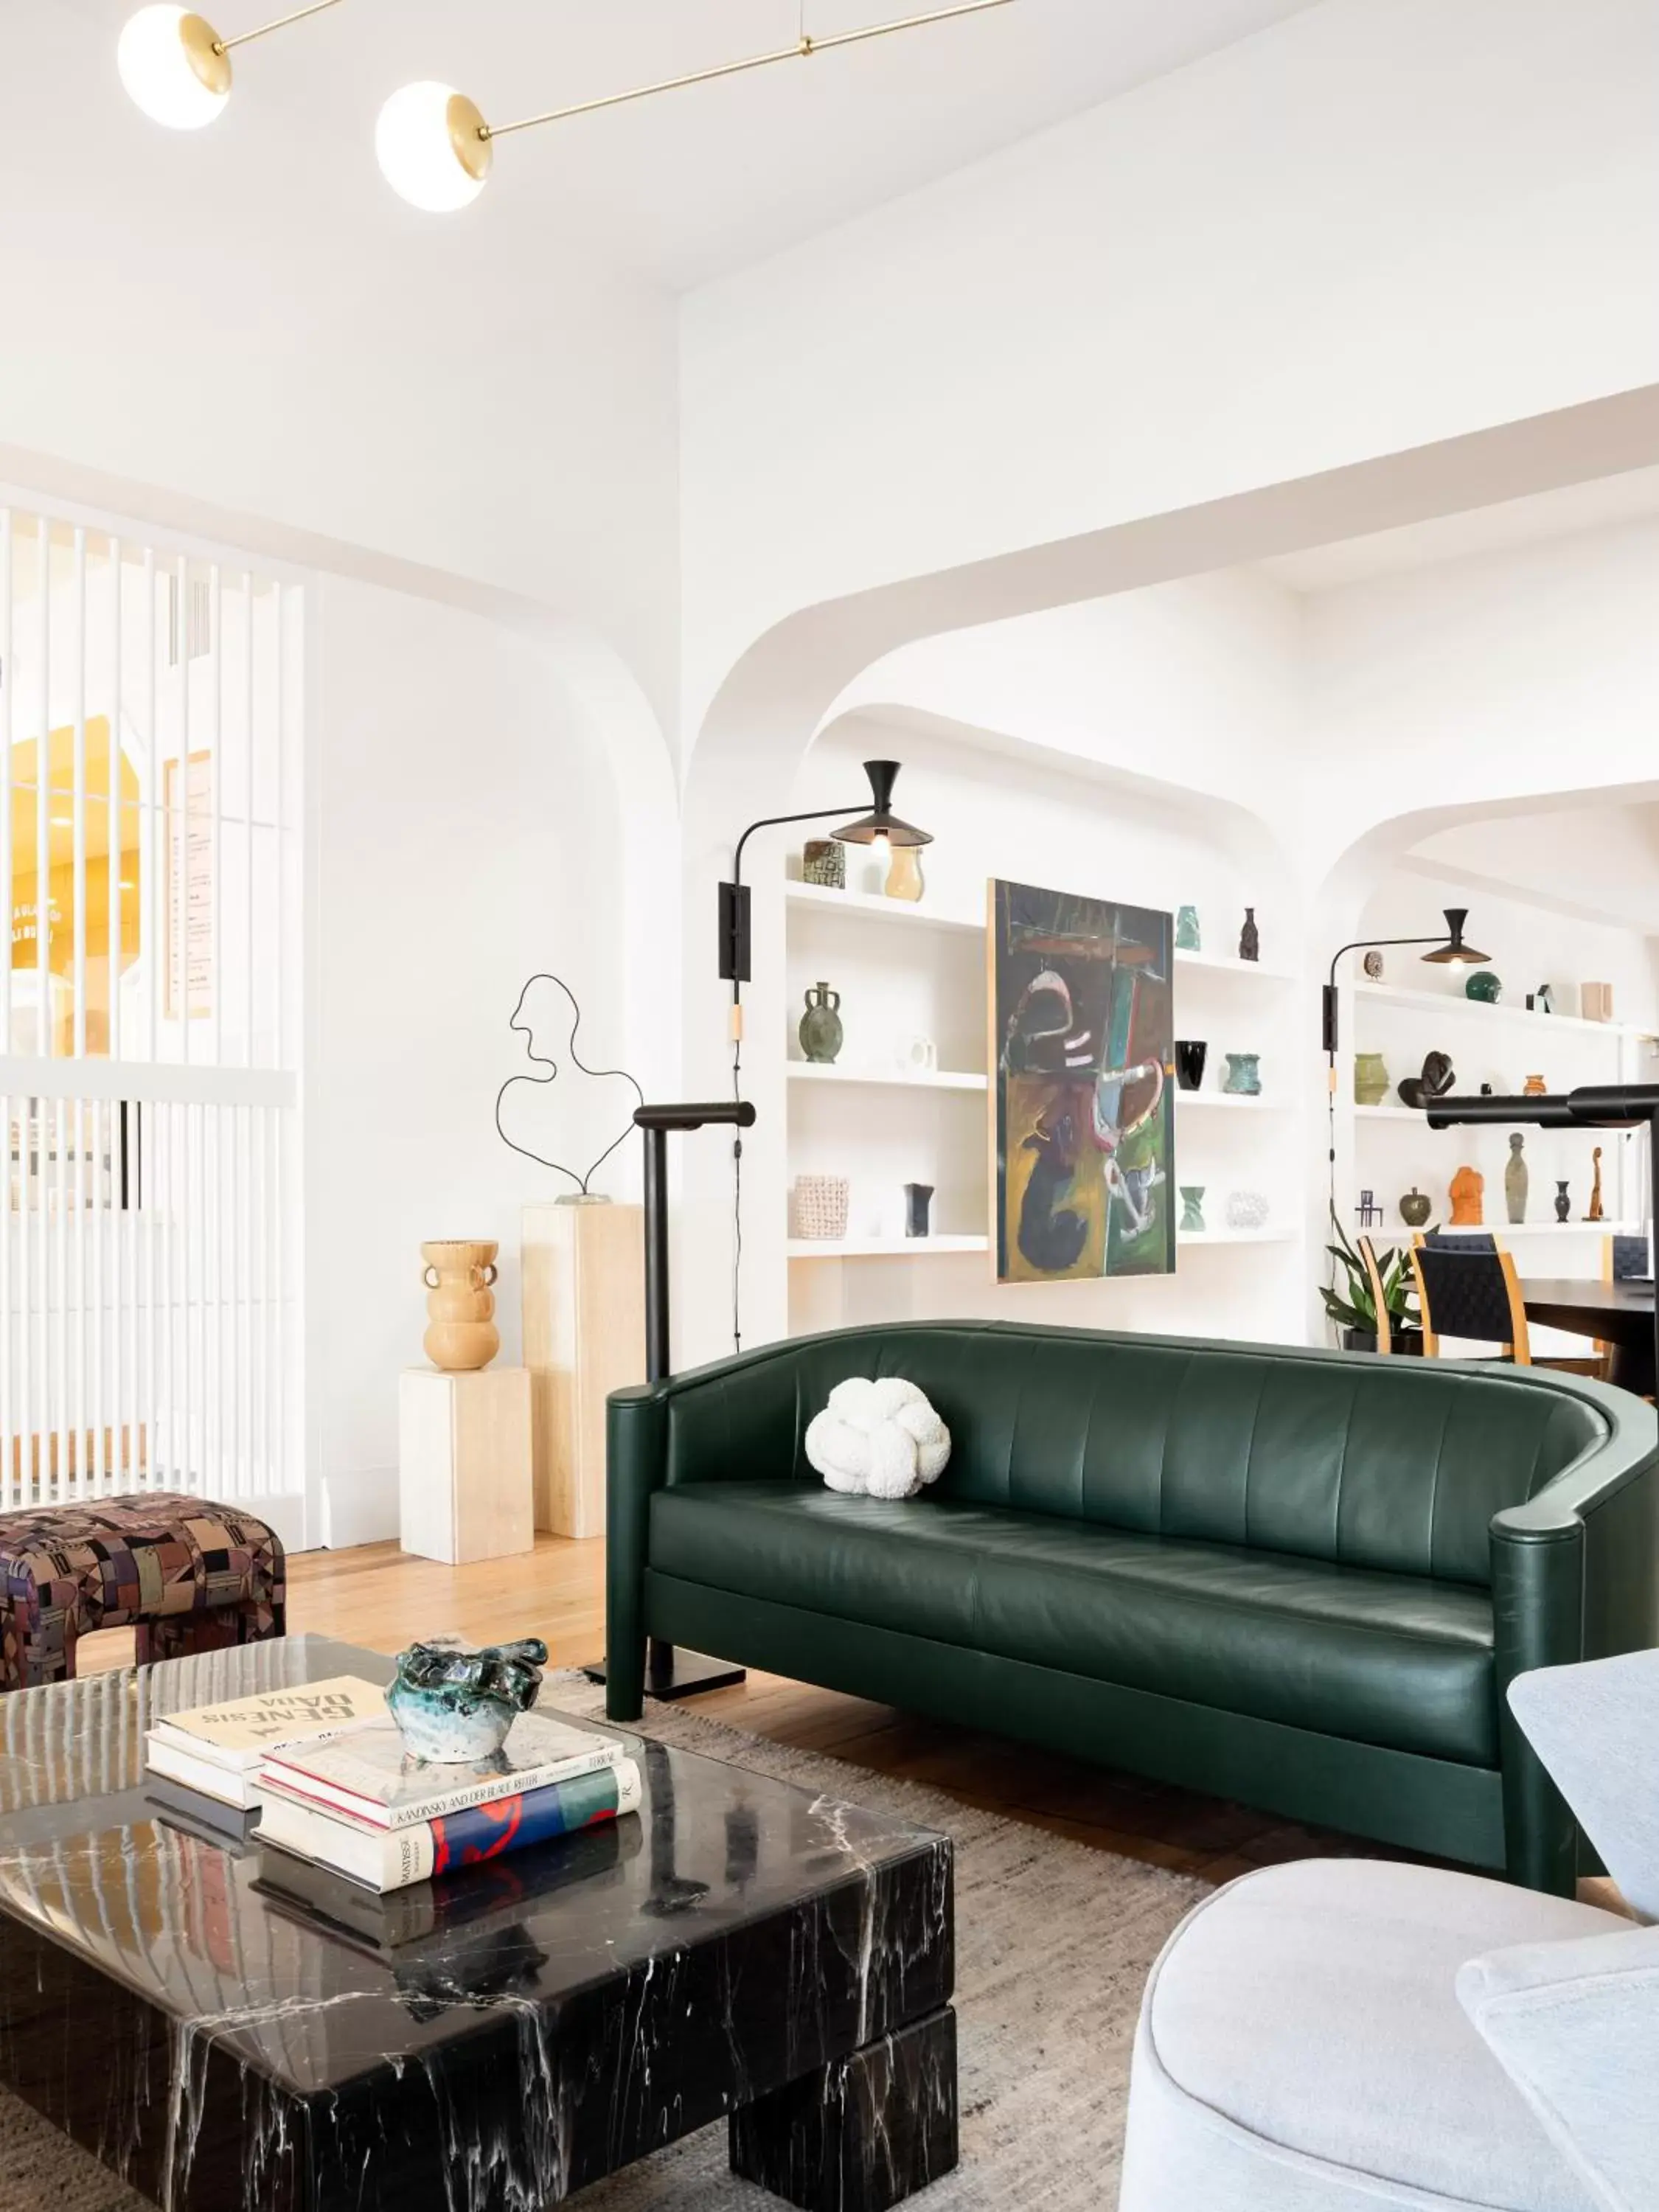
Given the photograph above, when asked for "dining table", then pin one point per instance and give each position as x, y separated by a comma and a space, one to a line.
1620, 1315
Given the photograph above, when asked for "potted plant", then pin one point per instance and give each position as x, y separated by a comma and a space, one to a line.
1350, 1302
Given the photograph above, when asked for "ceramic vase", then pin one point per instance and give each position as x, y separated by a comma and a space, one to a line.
824, 861
820, 1029
461, 1335
1189, 936
1415, 1208
1517, 1179
1191, 1209
1483, 986
1190, 1055
918, 1197
905, 877
1246, 1209
1535, 1087
1370, 1079
1244, 1074
1249, 937
1563, 1203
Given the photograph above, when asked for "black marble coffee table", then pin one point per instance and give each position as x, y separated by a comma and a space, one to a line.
225, 2028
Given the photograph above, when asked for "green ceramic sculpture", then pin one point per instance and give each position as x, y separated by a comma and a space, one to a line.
1188, 937
452, 1703
1485, 985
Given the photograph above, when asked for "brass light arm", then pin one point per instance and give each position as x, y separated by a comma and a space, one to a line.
224, 45
801, 50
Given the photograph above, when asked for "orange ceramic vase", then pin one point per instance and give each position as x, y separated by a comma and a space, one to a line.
461, 1334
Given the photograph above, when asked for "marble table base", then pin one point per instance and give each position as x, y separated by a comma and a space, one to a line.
862, 2134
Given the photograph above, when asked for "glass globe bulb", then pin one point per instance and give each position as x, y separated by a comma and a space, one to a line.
419, 141
168, 65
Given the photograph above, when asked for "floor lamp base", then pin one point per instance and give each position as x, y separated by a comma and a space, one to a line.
672, 1672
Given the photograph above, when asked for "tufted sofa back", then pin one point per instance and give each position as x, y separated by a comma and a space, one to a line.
1392, 1464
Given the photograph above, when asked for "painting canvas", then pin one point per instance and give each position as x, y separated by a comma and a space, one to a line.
1082, 1013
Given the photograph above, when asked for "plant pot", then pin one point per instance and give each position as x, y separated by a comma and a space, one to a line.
1403, 1344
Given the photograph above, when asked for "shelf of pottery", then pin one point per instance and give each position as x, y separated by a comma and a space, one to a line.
887, 1093
1539, 1193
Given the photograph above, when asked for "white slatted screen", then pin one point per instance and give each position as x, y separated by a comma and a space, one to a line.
149, 855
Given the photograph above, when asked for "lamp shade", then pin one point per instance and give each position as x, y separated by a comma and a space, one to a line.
881, 821
174, 66
430, 144
1454, 953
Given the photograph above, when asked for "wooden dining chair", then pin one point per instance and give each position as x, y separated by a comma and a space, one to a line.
1384, 1329
1623, 1260
1469, 1289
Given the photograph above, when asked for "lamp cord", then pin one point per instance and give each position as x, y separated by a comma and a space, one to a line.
737, 1173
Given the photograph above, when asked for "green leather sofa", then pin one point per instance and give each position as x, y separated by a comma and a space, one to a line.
1301, 1579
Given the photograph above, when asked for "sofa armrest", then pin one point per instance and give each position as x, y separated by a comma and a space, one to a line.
1575, 1575
1576, 2027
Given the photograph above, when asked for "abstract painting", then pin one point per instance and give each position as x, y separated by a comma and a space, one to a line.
1082, 1017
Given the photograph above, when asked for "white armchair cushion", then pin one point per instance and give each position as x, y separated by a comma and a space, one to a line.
1301, 2046
1576, 2027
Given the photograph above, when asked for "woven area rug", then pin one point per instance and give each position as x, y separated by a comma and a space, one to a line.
1053, 1942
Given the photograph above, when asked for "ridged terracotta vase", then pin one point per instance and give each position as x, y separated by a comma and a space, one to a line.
461, 1335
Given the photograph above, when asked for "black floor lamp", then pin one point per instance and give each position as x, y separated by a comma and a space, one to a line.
670, 1672
1594, 1106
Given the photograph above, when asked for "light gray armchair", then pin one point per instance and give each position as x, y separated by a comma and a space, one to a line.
1356, 2036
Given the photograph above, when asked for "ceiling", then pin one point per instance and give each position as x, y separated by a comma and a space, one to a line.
686, 187
1602, 502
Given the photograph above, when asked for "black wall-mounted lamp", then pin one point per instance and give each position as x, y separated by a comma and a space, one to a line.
880, 822
1450, 952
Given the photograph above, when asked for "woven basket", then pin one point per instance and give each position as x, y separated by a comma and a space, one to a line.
821, 1205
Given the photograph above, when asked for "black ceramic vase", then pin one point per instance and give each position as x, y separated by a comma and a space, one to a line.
1249, 937
1190, 1055
918, 1197
1563, 1203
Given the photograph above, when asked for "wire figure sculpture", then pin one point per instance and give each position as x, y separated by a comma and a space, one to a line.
531, 1029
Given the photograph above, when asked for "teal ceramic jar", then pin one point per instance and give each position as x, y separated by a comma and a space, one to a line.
1485, 985
1191, 1209
1189, 936
1244, 1074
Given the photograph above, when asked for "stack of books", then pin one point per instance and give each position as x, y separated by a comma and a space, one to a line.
207, 1764
361, 1807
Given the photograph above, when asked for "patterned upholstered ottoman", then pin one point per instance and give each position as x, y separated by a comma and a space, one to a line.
191, 1575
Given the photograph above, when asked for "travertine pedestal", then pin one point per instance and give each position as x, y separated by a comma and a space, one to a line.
584, 1336
463, 1478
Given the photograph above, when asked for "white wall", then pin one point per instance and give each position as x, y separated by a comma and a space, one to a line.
462, 836
1370, 227
248, 316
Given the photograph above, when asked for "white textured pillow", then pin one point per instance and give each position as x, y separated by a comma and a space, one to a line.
878, 1439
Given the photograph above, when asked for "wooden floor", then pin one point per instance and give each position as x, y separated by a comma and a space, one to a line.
379, 1596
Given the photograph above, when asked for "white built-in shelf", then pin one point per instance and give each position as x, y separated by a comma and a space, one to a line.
1505, 1229
872, 906
1225, 963
914, 914
1451, 1002
1189, 1238
928, 1079
881, 1247
1235, 1101
1395, 1114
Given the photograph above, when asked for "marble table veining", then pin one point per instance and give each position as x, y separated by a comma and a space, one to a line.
224, 2029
